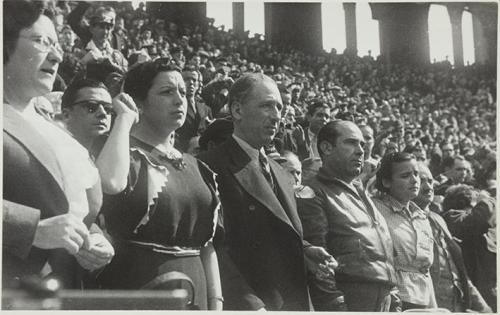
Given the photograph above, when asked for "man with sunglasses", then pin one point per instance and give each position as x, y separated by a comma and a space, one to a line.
87, 109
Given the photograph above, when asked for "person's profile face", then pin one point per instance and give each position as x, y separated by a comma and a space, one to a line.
90, 113
191, 81
260, 114
460, 171
34, 61
165, 105
404, 184
346, 156
101, 31
320, 118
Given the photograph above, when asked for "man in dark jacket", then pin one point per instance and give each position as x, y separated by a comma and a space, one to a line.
262, 261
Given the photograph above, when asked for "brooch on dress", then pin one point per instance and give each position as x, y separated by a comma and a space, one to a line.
174, 158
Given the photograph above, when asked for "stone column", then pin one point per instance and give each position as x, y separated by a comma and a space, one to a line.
455, 11
350, 27
239, 18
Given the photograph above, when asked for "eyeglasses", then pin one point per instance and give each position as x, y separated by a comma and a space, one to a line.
44, 44
93, 106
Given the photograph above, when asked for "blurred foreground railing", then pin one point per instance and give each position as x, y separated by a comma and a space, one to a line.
98, 300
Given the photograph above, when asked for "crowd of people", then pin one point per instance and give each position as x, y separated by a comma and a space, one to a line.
136, 149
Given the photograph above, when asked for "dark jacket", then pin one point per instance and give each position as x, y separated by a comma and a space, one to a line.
476, 230
470, 297
194, 125
32, 191
298, 142
262, 259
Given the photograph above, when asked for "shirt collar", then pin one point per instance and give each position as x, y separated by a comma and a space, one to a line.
252, 152
411, 209
92, 46
326, 177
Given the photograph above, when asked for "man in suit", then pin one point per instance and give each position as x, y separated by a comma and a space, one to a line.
264, 258
198, 114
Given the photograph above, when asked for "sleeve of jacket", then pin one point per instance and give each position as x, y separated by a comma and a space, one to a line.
19, 227
314, 221
75, 22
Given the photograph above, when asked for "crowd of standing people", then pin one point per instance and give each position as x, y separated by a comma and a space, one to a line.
273, 179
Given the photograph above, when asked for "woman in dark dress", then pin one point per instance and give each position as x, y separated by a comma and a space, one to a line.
164, 213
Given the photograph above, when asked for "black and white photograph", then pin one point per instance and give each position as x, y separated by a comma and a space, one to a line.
249, 156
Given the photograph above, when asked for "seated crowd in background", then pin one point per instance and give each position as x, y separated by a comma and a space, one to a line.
153, 143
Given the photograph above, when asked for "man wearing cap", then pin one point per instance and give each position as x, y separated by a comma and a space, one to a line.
75, 18
101, 58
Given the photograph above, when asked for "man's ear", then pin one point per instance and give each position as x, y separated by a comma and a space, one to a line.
326, 147
65, 113
235, 109
386, 183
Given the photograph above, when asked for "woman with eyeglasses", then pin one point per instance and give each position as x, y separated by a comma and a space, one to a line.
52, 192
163, 215
399, 182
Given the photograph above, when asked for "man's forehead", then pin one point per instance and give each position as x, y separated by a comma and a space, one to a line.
267, 89
189, 74
350, 130
93, 93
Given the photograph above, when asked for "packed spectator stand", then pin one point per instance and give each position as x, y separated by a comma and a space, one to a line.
443, 116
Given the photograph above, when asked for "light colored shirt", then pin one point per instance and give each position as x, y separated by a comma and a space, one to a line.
79, 172
252, 152
313, 138
413, 249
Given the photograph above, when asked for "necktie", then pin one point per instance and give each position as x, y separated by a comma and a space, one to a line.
266, 170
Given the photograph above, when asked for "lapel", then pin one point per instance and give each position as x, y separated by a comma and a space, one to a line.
287, 195
250, 177
32, 141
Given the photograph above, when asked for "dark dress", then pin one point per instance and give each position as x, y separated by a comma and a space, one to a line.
166, 235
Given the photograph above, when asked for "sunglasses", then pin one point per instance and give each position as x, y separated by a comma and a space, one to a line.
93, 106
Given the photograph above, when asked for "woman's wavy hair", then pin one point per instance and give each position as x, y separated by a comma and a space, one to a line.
18, 15
139, 78
385, 169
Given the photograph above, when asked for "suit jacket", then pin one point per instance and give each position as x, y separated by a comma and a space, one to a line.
298, 142
33, 191
195, 125
262, 259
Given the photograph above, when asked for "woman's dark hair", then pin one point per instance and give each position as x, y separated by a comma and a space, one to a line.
459, 197
385, 169
71, 92
139, 78
18, 15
